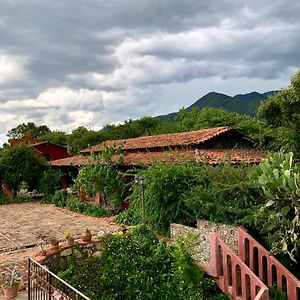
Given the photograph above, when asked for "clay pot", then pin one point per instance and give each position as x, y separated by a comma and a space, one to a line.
10, 292
86, 236
54, 245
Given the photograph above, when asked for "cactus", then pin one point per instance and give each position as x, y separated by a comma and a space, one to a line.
279, 178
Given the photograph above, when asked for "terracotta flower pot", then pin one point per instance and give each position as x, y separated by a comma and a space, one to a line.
54, 245
86, 236
10, 292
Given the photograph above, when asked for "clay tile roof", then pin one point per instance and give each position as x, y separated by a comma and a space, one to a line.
163, 140
210, 156
73, 161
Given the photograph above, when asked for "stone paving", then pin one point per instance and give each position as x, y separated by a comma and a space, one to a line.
23, 227
29, 224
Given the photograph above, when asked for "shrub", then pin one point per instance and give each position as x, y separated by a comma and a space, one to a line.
60, 198
140, 266
128, 217
224, 194
86, 208
102, 176
50, 181
4, 199
184, 193
164, 187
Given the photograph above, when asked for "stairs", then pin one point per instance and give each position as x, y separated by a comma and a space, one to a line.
241, 266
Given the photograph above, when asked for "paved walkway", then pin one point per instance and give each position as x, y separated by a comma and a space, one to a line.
23, 227
28, 224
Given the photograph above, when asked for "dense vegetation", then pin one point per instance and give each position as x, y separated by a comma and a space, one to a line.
139, 266
61, 198
184, 193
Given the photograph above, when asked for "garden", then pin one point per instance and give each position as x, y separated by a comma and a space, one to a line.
263, 198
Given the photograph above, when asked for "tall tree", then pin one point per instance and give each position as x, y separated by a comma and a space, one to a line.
30, 128
19, 164
283, 109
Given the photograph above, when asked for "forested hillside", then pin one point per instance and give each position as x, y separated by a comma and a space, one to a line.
276, 125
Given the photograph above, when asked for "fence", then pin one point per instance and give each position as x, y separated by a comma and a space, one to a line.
45, 285
234, 277
267, 267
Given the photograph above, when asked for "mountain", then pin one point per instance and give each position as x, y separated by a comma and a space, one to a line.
241, 103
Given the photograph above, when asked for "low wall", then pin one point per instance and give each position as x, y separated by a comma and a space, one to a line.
199, 238
57, 261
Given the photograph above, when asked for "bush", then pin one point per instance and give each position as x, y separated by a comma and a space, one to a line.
128, 217
4, 199
184, 193
164, 187
140, 267
60, 198
47, 199
224, 194
86, 208
50, 181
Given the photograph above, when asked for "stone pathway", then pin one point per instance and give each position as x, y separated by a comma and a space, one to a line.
23, 227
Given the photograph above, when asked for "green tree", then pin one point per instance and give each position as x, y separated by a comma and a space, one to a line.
50, 181
19, 164
81, 138
102, 176
56, 137
283, 110
30, 128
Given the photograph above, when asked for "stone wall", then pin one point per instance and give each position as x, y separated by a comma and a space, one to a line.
228, 233
200, 241
57, 261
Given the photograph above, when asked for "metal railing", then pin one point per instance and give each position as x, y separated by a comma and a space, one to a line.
45, 285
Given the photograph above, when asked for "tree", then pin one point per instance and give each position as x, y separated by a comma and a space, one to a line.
19, 164
103, 177
81, 138
56, 137
283, 110
30, 128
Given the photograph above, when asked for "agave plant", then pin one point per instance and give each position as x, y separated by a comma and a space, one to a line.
12, 279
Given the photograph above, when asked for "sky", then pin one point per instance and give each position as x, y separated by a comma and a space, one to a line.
88, 63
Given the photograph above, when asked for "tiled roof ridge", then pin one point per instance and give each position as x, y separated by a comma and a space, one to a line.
208, 133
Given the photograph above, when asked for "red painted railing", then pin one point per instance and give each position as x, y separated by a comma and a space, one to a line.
266, 266
234, 276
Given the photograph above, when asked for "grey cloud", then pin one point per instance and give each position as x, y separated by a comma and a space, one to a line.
121, 54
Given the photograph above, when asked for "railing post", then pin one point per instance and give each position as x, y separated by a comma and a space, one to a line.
215, 262
29, 280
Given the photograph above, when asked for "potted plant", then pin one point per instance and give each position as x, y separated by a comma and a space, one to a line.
69, 238
86, 235
11, 283
54, 243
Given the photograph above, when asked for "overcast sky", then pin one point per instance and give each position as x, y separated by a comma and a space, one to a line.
71, 63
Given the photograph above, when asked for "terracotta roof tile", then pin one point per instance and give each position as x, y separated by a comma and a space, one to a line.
163, 140
210, 156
